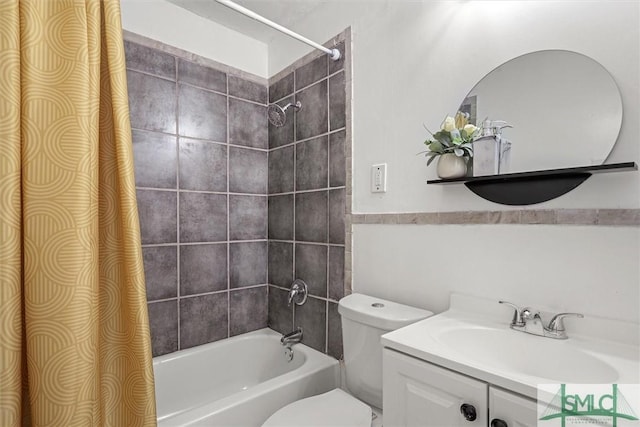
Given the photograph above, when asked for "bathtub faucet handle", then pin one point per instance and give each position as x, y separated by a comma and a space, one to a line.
297, 293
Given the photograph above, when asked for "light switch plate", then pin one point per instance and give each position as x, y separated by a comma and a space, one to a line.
379, 178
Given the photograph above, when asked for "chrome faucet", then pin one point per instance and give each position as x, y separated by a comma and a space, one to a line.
297, 293
532, 322
529, 321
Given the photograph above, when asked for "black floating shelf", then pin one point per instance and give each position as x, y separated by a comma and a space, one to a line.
527, 188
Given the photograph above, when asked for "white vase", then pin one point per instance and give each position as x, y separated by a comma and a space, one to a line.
451, 166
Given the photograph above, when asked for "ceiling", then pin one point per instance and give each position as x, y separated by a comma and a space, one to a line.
283, 12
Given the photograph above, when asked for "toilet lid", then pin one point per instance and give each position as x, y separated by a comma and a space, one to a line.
332, 409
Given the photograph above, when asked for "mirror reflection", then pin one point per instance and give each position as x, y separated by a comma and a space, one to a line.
565, 109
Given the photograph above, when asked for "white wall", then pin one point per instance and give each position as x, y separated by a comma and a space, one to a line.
414, 62
175, 26
592, 270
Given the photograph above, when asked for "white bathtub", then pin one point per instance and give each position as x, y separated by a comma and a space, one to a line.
239, 381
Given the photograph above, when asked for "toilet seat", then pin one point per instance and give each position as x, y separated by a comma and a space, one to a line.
332, 409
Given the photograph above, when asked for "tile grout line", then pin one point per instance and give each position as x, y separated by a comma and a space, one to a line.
218, 292
310, 295
219, 242
157, 301
150, 74
320, 135
326, 326
348, 149
310, 243
295, 198
328, 183
315, 190
267, 222
220, 193
178, 251
228, 213
205, 140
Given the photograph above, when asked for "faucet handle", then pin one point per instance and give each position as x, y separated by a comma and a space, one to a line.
297, 293
517, 313
557, 325
292, 294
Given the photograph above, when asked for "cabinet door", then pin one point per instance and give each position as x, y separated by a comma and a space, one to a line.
512, 409
419, 394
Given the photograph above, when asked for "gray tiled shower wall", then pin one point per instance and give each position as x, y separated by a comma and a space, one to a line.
307, 196
228, 203
201, 143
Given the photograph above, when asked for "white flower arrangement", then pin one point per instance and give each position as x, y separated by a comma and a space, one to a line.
456, 136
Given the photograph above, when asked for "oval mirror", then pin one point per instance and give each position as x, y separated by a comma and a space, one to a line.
565, 109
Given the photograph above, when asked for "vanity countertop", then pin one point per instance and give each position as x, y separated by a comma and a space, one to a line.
473, 337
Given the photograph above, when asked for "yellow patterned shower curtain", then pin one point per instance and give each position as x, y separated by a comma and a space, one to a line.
74, 334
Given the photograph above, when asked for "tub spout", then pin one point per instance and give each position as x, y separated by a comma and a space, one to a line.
292, 337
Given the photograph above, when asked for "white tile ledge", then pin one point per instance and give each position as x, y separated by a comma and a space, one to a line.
601, 217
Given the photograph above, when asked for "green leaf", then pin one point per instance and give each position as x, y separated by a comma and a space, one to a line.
436, 146
443, 137
431, 160
459, 152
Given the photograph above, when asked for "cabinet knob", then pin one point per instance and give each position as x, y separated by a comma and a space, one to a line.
498, 423
468, 412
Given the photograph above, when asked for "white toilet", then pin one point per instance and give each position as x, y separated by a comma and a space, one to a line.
364, 320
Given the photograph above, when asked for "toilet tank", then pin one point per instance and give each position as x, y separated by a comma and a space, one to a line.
364, 320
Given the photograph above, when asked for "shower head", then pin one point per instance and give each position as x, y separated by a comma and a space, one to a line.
277, 115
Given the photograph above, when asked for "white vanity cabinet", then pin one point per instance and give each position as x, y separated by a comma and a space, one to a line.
510, 409
420, 394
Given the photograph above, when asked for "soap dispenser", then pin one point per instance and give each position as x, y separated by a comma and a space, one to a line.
487, 128
491, 152
503, 146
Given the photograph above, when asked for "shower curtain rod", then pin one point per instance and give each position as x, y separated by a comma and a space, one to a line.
333, 53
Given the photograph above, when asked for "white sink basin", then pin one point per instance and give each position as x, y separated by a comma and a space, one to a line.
557, 360
482, 345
